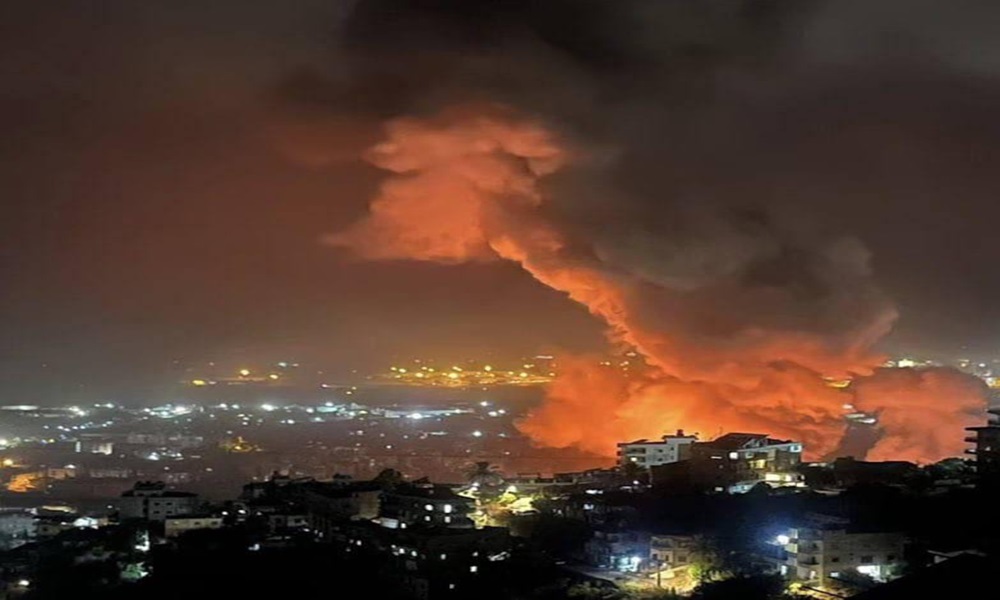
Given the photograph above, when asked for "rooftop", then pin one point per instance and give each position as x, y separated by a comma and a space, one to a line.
431, 492
671, 436
162, 494
737, 441
193, 516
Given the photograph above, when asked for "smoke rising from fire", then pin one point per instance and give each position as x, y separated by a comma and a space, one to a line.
682, 170
739, 320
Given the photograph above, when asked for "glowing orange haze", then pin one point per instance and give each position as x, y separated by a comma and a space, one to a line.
465, 186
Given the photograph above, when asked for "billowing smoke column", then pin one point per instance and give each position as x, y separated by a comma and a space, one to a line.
741, 316
685, 170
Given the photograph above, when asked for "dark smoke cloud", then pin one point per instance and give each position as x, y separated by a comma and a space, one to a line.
727, 156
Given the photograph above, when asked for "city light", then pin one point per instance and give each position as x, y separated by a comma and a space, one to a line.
423, 374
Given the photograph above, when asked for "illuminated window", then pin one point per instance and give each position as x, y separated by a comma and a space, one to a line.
427, 518
473, 569
428, 507
444, 556
734, 455
447, 519
447, 508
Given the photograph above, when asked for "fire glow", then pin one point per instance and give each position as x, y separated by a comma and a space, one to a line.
740, 321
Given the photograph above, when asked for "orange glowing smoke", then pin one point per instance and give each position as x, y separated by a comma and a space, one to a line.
24, 482
924, 410
722, 354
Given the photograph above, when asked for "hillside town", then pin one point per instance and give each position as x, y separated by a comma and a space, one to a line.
676, 517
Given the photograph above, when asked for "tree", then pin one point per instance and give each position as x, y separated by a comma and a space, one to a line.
634, 472
756, 587
485, 475
591, 591
389, 479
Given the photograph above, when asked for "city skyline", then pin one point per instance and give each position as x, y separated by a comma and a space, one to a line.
499, 299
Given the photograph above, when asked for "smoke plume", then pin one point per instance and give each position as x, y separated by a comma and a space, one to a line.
624, 154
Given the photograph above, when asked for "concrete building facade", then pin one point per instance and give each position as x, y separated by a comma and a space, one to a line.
153, 502
647, 453
179, 524
823, 552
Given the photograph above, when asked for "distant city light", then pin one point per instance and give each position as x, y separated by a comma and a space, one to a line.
477, 433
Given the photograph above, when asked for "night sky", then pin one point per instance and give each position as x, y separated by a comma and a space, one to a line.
168, 169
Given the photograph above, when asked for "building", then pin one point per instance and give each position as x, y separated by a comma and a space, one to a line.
176, 525
646, 453
173, 440
672, 551
90, 445
735, 463
848, 472
111, 473
17, 527
754, 456
826, 548
987, 450
329, 505
619, 549
966, 576
153, 502
284, 522
432, 562
427, 505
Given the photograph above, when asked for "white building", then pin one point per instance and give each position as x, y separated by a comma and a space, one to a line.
92, 446
153, 502
17, 527
672, 551
825, 551
178, 524
646, 453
